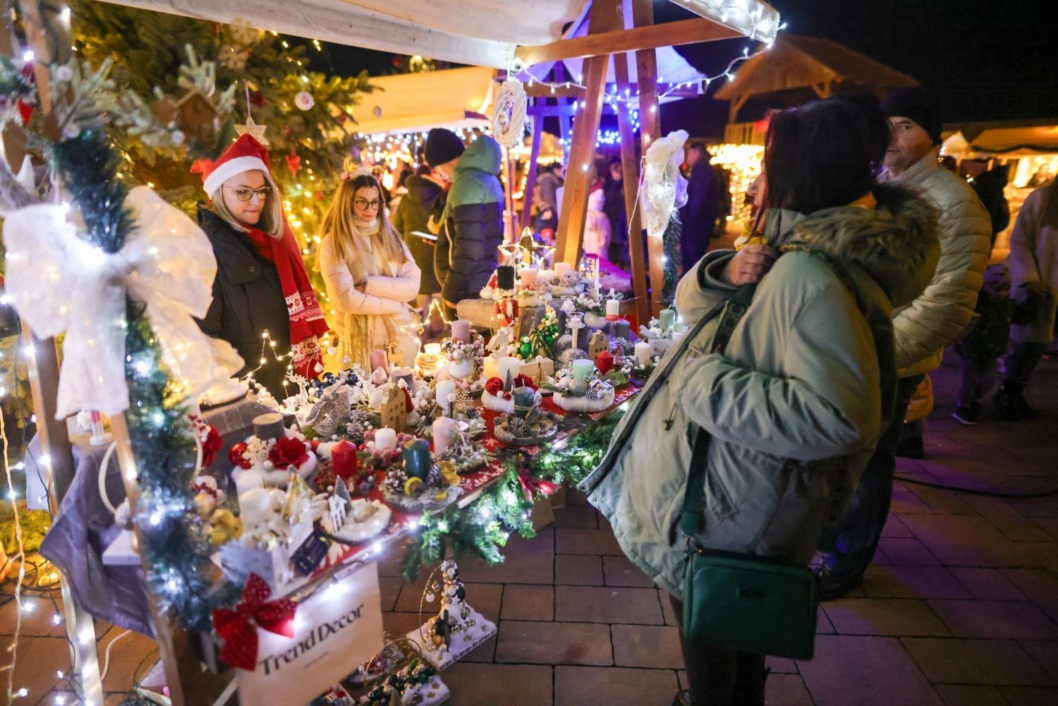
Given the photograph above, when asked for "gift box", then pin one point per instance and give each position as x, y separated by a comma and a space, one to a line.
558, 498
542, 514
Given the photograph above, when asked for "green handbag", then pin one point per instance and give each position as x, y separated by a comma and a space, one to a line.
742, 602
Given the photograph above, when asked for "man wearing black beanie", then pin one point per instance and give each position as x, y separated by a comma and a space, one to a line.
921, 329
471, 231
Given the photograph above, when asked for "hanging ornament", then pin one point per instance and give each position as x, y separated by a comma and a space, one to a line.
232, 57
508, 116
253, 130
304, 100
293, 162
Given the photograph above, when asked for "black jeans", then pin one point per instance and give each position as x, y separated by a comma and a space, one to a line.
718, 677
1022, 361
861, 526
978, 377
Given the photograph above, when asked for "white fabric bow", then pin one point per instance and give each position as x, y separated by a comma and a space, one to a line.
59, 282
663, 189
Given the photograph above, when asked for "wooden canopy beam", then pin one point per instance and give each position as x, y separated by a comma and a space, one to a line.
619, 40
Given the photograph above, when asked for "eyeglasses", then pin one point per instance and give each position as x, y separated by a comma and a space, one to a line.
364, 205
244, 194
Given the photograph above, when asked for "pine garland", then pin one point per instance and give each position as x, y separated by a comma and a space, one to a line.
572, 461
174, 547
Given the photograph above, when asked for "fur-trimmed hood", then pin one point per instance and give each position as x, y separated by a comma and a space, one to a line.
896, 242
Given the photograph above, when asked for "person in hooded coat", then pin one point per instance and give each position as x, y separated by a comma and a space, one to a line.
796, 402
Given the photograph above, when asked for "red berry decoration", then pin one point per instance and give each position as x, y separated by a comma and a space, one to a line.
235, 455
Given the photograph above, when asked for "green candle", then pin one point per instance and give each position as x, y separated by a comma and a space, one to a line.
417, 458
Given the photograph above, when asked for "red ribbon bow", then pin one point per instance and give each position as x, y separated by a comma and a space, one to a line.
532, 486
238, 627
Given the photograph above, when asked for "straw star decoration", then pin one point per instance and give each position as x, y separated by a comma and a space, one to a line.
254, 130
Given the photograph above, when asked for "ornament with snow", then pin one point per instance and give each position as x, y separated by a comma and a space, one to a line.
304, 100
457, 628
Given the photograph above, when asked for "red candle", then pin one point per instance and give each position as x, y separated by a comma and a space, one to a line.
343, 459
604, 362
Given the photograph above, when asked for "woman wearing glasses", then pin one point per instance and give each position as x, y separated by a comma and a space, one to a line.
369, 273
261, 282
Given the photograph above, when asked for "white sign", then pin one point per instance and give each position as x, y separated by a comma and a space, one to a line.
336, 629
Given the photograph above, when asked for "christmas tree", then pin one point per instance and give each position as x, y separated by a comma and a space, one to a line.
308, 116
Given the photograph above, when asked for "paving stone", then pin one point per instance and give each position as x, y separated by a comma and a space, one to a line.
666, 609
575, 496
984, 662
586, 541
954, 695
498, 684
1028, 696
389, 589
526, 561
485, 652
786, 690
528, 602
912, 582
823, 624
781, 665
895, 528
907, 552
400, 624
619, 571
1037, 507
961, 540
987, 584
554, 643
577, 516
905, 502
1002, 620
585, 686
938, 500
1039, 586
896, 617
847, 670
646, 646
590, 604
1045, 652
578, 570
1008, 520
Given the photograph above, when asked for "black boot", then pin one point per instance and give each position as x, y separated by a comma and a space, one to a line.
1006, 403
1017, 393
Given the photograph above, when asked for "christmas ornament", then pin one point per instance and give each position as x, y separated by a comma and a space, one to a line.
236, 454
238, 627
294, 165
253, 130
508, 116
304, 100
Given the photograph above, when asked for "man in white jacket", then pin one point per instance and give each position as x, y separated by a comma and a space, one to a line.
921, 329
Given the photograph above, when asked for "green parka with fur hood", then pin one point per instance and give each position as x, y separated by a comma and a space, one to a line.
794, 405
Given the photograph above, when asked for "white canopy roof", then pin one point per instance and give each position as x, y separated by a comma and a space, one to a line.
477, 32
452, 98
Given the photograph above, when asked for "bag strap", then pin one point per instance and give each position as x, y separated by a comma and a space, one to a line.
740, 299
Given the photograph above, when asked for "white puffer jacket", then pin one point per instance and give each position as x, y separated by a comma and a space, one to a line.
936, 318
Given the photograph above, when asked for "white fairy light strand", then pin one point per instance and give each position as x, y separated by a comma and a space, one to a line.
20, 556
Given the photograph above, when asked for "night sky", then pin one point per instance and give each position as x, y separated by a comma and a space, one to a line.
987, 60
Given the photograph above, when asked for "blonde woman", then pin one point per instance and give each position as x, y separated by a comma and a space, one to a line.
369, 273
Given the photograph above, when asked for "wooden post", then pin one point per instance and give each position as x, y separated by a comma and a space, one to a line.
508, 222
630, 181
605, 16
530, 177
649, 130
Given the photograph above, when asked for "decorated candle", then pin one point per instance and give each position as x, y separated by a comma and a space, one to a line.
442, 433
582, 369
409, 349
378, 360
562, 268
528, 276
509, 364
622, 328
343, 459
416, 456
505, 277
604, 362
643, 354
613, 309
461, 330
445, 391
385, 438
667, 318
269, 426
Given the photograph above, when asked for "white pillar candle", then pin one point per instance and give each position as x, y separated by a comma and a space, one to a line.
582, 368
445, 391
562, 268
643, 353
667, 318
385, 438
509, 364
528, 275
442, 434
432, 348
492, 367
461, 330
613, 309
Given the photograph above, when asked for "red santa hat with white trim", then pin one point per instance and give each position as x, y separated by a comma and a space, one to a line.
245, 154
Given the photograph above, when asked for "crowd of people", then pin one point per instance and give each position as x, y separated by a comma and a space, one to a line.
868, 260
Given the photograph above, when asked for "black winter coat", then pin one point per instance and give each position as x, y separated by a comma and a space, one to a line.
425, 197
467, 270
247, 300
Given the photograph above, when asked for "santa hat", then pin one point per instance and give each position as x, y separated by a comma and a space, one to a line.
245, 155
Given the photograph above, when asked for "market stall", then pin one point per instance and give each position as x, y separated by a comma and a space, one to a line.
267, 569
